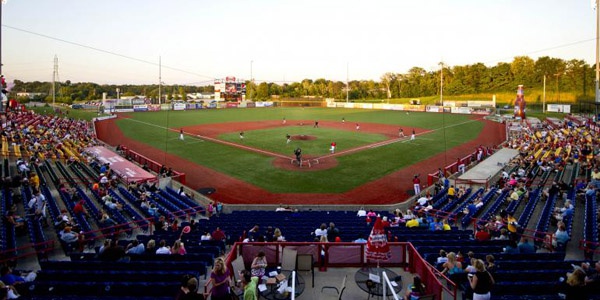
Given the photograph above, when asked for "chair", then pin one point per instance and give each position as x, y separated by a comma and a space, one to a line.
339, 291
288, 259
306, 263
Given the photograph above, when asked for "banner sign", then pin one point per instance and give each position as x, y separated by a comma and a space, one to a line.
142, 107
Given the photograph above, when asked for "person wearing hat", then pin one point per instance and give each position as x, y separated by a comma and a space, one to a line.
417, 185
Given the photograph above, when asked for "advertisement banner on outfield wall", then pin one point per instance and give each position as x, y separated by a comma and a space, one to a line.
142, 107
560, 108
414, 107
179, 106
250, 104
153, 107
460, 110
432, 108
231, 105
190, 106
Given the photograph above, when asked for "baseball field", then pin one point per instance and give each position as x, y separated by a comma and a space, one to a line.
372, 164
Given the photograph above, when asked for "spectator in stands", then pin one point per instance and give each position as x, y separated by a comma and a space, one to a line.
16, 221
595, 175
415, 290
78, 209
150, 247
135, 247
163, 248
218, 234
332, 232
442, 258
490, 263
189, 289
259, 265
451, 193
512, 247
178, 248
452, 266
8, 292
249, 284
563, 214
481, 282
361, 212
16, 281
445, 225
104, 246
277, 236
219, 281
206, 236
107, 222
219, 208
253, 233
321, 231
525, 246
360, 240
69, 237
561, 236
113, 253
408, 215
482, 234
210, 209
34, 180
281, 208
574, 287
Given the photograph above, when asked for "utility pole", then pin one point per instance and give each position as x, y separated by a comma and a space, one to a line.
159, 81
441, 83
544, 96
347, 85
54, 78
597, 56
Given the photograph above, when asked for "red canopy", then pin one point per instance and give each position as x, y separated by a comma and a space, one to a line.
120, 165
377, 245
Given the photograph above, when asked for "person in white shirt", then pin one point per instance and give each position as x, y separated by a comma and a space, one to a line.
163, 249
361, 212
321, 231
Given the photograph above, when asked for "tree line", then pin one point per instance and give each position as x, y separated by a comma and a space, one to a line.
572, 76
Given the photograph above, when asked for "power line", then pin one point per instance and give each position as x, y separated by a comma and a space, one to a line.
105, 51
544, 50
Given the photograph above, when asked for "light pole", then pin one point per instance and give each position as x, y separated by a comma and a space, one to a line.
441, 83
347, 85
251, 77
544, 96
597, 85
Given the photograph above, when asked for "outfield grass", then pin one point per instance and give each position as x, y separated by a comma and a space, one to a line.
353, 170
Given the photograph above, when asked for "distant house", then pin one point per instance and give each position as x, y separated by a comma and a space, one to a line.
200, 96
30, 95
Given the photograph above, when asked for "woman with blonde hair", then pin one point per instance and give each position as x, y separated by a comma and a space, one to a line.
481, 282
277, 235
575, 285
178, 248
220, 280
452, 266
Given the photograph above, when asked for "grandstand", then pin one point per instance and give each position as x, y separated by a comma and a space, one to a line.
545, 166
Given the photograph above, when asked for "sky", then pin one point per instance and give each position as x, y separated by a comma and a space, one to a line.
197, 41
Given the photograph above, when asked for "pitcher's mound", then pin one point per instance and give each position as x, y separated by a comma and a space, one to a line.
308, 164
303, 137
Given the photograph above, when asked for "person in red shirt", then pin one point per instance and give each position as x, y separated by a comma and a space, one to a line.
79, 209
417, 185
482, 234
332, 149
218, 234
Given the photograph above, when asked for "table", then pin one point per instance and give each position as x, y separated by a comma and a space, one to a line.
271, 292
376, 288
